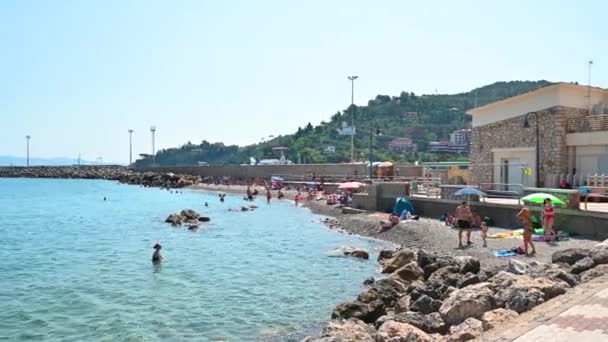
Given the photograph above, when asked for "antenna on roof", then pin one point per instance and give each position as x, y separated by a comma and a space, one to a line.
589, 90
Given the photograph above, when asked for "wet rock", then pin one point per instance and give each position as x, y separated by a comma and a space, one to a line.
582, 265
494, 318
425, 304
471, 301
468, 330
409, 273
570, 256
468, 279
349, 330
367, 312
351, 251
468, 264
392, 331
174, 219
386, 254
593, 273
204, 219
369, 281
400, 259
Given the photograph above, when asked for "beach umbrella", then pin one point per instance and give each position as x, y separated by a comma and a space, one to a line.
469, 191
539, 197
350, 185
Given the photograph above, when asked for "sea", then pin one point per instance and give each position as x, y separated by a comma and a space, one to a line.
75, 265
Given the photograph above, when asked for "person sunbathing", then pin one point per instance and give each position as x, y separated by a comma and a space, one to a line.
392, 221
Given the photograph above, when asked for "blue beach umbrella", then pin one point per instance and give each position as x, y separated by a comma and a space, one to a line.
469, 191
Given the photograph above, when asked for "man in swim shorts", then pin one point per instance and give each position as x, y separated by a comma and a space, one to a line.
464, 217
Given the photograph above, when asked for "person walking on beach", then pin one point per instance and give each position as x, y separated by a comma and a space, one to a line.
156, 256
268, 196
525, 216
548, 217
464, 217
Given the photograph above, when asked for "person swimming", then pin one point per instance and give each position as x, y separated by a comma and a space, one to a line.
206, 204
156, 256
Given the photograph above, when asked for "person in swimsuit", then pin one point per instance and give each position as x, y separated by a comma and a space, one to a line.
525, 216
268, 196
156, 256
548, 217
464, 217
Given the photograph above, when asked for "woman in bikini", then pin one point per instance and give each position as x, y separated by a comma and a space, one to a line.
548, 217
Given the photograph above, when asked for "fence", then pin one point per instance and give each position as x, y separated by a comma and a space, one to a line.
591, 123
553, 180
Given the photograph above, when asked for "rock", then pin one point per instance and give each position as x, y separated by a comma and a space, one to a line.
447, 292
469, 279
189, 214
522, 293
582, 265
468, 264
367, 312
441, 261
449, 275
401, 258
570, 256
386, 290
471, 301
174, 219
425, 305
351, 251
403, 304
517, 267
431, 323
385, 254
409, 273
561, 275
593, 273
204, 219
192, 226
369, 281
494, 318
468, 330
522, 300
349, 330
424, 258
599, 254
392, 331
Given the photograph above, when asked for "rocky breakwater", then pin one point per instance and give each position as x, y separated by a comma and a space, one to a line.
162, 180
188, 217
440, 297
85, 172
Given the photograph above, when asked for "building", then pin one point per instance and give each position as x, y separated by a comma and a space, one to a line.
329, 149
459, 143
402, 145
573, 136
461, 137
439, 146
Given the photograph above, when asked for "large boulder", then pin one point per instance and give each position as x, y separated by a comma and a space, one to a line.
582, 265
570, 256
401, 258
439, 262
349, 330
392, 331
468, 330
425, 304
494, 318
174, 219
593, 273
409, 273
521, 292
387, 290
367, 312
386, 254
471, 301
468, 279
517, 267
431, 323
448, 275
557, 274
189, 214
468, 264
403, 304
425, 258
599, 253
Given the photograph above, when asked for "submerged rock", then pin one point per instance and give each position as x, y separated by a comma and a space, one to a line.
350, 251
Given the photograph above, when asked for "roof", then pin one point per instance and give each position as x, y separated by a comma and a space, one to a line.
532, 93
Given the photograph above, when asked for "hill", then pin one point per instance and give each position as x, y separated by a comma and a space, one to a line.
423, 118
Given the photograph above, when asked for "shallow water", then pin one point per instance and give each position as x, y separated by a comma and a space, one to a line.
77, 268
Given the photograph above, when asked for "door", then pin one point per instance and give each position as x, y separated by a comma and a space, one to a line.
512, 174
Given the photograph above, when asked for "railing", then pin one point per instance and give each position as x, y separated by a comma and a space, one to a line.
590, 123
553, 180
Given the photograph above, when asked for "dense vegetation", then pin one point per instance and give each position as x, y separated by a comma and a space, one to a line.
423, 118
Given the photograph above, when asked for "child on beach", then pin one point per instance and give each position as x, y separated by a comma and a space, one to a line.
484, 233
525, 216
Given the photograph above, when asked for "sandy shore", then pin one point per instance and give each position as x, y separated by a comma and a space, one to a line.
427, 233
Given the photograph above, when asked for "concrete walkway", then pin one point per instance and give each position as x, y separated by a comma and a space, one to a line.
579, 315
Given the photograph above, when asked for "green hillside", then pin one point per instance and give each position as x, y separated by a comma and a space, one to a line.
422, 118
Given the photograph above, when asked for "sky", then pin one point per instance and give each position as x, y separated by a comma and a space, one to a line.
77, 75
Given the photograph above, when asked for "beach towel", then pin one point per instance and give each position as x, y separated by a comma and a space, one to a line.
504, 253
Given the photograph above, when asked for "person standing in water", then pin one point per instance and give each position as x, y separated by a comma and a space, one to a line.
156, 256
268, 196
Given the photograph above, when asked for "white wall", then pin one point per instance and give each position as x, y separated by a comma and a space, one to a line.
592, 159
525, 155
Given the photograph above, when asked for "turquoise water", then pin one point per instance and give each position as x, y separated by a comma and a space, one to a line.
77, 268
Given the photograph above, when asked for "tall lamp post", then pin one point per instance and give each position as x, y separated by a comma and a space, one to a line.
153, 131
352, 117
527, 125
27, 160
372, 128
130, 147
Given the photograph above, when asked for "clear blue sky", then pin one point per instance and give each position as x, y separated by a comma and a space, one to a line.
76, 75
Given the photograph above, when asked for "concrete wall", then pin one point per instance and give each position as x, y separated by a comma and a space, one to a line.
380, 196
337, 171
594, 225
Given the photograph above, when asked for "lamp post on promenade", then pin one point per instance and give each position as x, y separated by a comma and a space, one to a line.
153, 132
527, 125
130, 147
352, 117
27, 160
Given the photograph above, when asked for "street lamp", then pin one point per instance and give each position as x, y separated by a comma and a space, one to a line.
352, 117
371, 149
27, 160
130, 147
153, 131
527, 125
